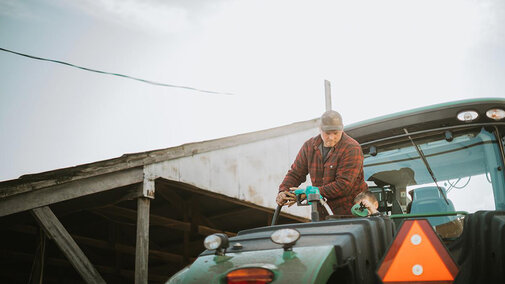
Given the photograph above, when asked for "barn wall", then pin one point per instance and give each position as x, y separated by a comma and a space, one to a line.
250, 172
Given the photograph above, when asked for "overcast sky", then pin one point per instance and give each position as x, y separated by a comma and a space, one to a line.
380, 56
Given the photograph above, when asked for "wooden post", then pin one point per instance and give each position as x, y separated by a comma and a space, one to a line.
186, 234
115, 237
37, 274
142, 247
55, 230
327, 94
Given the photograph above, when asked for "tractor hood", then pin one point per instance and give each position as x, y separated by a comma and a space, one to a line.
346, 248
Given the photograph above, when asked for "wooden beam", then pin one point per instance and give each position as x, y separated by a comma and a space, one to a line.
177, 202
207, 222
229, 212
142, 247
89, 202
160, 221
55, 230
206, 193
69, 190
58, 262
173, 198
101, 244
196, 247
161, 255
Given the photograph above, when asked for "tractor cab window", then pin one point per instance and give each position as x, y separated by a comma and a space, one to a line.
468, 169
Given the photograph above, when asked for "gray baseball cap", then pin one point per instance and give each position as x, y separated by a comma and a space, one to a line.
331, 120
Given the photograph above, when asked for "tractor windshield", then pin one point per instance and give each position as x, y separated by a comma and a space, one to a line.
467, 166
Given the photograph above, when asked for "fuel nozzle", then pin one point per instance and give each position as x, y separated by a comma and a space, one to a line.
313, 196
359, 209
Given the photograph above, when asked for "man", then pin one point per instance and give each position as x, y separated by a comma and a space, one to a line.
368, 200
335, 164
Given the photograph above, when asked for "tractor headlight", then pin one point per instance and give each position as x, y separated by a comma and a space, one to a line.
468, 115
218, 242
285, 237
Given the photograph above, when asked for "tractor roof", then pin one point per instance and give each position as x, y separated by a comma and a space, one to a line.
418, 119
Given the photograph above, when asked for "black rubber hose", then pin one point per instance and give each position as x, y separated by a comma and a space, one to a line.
314, 214
276, 215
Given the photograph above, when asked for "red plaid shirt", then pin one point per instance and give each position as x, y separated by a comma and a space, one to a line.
339, 178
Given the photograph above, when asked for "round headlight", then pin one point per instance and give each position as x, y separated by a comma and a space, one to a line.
285, 236
218, 242
212, 242
495, 113
468, 115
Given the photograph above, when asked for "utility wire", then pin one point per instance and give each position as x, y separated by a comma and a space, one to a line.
115, 74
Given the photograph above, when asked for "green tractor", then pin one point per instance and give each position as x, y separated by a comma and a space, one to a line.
438, 173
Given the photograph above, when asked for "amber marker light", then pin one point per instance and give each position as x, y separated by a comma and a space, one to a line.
496, 113
250, 276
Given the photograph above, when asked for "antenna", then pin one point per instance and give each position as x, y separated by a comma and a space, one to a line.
327, 94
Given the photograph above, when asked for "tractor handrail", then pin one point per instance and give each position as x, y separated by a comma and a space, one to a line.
428, 214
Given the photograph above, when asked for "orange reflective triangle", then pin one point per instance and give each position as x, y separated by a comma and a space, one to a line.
417, 255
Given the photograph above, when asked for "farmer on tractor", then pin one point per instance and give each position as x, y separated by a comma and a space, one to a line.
334, 161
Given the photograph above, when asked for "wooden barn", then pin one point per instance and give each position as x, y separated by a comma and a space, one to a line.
142, 217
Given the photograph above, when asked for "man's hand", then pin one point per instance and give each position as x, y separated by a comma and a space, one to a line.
371, 208
285, 196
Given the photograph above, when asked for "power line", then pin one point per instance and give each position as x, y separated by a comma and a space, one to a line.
115, 74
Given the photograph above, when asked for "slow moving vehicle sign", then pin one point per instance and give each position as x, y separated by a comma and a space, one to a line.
417, 255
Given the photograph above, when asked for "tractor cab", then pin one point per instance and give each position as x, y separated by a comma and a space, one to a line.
439, 173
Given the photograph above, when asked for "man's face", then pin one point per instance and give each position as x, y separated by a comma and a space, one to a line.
375, 203
331, 137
